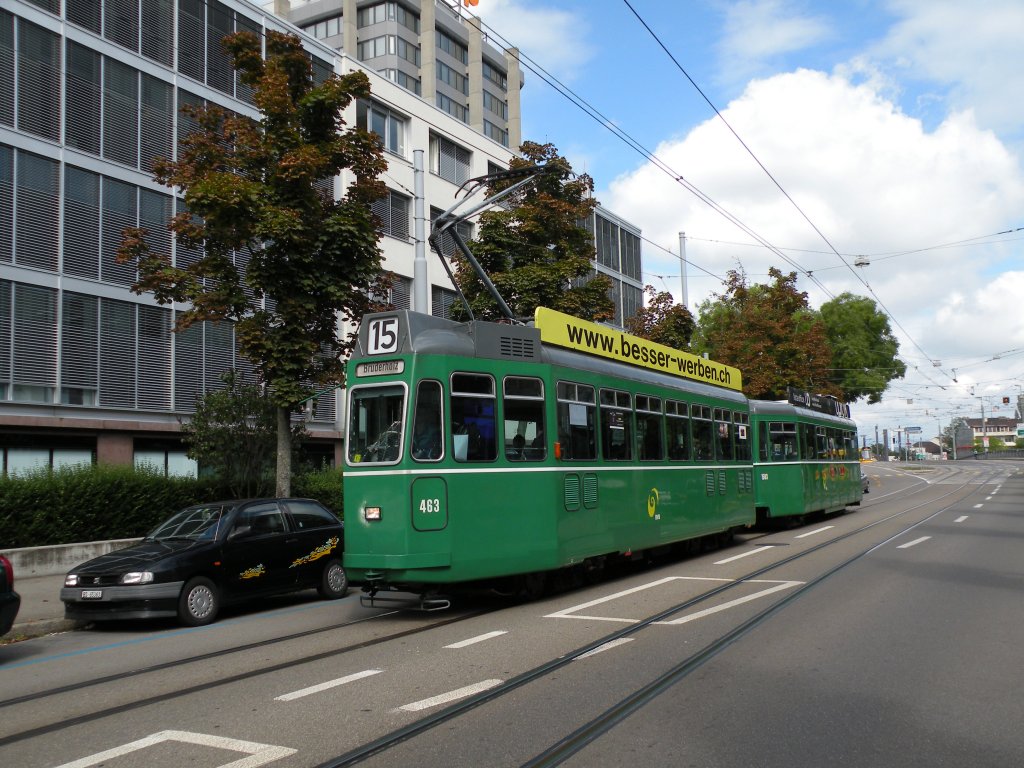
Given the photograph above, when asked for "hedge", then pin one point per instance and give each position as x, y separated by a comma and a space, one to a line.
97, 503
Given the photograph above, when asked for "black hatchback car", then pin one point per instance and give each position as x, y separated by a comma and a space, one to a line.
208, 555
10, 601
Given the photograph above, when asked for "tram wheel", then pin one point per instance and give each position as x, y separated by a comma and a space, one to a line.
535, 586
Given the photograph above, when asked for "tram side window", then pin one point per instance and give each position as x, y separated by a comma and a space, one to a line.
427, 423
703, 433
616, 425
375, 424
648, 428
742, 435
474, 435
577, 433
808, 442
723, 432
834, 443
784, 443
851, 445
822, 443
677, 430
524, 419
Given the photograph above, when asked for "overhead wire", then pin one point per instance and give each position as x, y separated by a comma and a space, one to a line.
813, 226
648, 155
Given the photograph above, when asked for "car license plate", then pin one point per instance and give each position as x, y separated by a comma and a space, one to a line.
92, 594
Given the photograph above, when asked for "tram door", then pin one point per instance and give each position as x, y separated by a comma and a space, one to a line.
429, 497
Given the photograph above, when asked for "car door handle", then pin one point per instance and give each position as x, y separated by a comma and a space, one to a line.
290, 541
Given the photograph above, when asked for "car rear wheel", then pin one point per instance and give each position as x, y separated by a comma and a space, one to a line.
334, 582
199, 603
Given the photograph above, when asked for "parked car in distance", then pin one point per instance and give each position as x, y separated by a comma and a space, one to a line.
209, 555
10, 601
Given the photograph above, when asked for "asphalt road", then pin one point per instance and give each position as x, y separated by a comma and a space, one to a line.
904, 652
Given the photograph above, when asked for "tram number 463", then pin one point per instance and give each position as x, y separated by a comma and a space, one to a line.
429, 506
383, 336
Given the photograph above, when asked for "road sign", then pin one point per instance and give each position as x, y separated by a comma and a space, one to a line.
911, 429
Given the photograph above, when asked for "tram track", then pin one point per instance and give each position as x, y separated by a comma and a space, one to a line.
451, 712
221, 681
595, 728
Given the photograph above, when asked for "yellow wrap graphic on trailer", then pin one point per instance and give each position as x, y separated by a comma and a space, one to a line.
567, 331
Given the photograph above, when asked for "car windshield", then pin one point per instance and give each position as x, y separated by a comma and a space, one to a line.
194, 523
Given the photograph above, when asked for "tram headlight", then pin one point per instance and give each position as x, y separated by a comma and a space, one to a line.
371, 513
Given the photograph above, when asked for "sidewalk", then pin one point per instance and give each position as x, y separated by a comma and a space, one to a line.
39, 575
41, 610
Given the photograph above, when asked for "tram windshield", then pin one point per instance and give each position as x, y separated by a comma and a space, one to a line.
375, 424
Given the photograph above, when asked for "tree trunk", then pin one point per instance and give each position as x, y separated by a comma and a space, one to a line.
284, 452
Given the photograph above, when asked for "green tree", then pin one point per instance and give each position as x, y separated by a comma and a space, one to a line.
769, 332
864, 349
234, 433
261, 193
662, 320
533, 247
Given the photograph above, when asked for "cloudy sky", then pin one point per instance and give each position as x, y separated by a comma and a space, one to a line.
895, 128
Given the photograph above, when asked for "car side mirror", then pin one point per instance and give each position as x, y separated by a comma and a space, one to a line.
240, 532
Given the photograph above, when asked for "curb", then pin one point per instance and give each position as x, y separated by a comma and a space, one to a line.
30, 629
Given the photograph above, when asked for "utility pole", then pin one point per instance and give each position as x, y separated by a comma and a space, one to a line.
682, 268
984, 427
420, 294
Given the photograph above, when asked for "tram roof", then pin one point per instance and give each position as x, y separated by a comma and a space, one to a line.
429, 335
783, 408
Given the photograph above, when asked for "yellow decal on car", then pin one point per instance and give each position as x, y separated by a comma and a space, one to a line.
253, 573
322, 551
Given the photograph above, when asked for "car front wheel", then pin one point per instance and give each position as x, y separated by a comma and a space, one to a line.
334, 582
198, 604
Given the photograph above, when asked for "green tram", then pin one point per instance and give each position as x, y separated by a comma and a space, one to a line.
499, 453
806, 459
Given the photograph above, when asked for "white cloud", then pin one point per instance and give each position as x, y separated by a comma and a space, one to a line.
973, 49
873, 180
554, 38
757, 30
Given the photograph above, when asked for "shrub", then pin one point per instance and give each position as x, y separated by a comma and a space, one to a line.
324, 485
97, 503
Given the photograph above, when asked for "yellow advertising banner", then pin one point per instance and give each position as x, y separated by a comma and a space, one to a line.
571, 332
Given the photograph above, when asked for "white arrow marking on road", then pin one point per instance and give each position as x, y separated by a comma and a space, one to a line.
259, 754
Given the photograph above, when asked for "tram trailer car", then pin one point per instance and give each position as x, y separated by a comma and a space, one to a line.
476, 452
806, 459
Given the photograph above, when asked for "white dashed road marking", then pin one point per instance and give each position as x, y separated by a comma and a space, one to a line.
910, 544
754, 551
328, 685
444, 698
477, 639
811, 533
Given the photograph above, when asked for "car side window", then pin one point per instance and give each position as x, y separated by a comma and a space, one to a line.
262, 519
309, 514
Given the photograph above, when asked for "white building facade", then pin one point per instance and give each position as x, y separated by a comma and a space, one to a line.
90, 92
